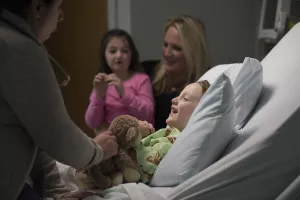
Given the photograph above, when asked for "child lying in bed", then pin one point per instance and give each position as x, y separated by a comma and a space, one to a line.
154, 147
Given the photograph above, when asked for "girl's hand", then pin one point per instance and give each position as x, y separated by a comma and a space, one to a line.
100, 85
113, 79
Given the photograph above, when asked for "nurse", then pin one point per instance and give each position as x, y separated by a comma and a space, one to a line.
33, 115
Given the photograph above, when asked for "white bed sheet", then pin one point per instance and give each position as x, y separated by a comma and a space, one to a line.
163, 191
68, 176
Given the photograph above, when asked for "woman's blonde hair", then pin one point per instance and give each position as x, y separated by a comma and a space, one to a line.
195, 49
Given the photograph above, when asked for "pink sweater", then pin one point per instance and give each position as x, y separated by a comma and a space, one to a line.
137, 101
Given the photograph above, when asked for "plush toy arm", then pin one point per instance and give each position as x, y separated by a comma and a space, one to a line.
101, 181
124, 160
129, 167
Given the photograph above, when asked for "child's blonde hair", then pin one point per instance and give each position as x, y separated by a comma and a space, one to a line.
205, 85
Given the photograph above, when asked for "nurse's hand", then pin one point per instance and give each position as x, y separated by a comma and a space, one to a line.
108, 142
78, 195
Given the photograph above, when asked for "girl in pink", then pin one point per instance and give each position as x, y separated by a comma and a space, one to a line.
119, 88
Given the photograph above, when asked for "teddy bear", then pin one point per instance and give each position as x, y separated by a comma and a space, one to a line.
123, 167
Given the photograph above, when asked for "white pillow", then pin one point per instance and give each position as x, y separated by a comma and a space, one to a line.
247, 81
205, 137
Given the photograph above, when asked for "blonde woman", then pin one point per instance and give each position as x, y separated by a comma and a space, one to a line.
185, 58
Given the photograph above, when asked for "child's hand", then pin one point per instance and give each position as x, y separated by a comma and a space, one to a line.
78, 195
146, 128
113, 79
100, 85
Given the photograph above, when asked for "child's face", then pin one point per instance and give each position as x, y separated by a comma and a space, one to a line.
118, 54
184, 105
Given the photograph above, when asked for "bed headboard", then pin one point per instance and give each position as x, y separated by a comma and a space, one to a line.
279, 99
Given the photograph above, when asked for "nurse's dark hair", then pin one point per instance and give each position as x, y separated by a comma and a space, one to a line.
19, 7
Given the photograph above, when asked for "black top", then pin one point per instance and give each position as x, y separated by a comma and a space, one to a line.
163, 108
163, 101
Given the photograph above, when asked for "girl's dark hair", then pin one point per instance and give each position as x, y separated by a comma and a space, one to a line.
135, 61
18, 7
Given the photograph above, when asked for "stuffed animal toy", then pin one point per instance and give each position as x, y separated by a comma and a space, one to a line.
123, 167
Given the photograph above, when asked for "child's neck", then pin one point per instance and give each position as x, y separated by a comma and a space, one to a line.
124, 75
172, 127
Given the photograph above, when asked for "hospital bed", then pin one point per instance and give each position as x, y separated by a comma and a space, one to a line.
263, 162
270, 140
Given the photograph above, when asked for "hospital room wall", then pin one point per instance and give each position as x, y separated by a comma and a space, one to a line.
231, 28
75, 46
231, 24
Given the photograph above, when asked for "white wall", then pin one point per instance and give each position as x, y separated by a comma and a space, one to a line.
231, 24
